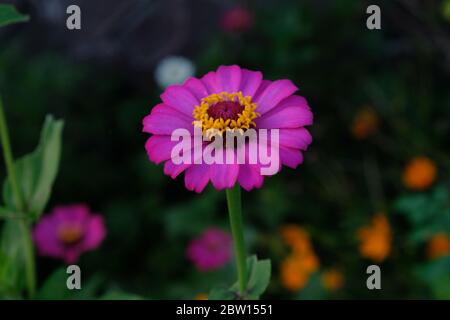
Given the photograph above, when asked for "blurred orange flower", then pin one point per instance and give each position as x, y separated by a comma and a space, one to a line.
294, 236
332, 279
201, 296
365, 123
438, 246
375, 239
302, 262
293, 276
419, 173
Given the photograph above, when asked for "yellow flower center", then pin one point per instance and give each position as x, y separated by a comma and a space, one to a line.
222, 112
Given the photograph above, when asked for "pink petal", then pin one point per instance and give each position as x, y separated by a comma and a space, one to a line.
180, 98
197, 87
229, 78
159, 148
73, 214
262, 87
95, 233
71, 256
210, 82
164, 120
293, 112
290, 157
224, 176
295, 138
250, 176
173, 170
274, 94
196, 177
250, 82
45, 237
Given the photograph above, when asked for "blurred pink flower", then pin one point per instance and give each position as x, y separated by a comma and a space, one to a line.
237, 19
68, 232
212, 250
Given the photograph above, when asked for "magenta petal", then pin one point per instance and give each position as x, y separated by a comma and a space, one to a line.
295, 138
290, 157
262, 87
164, 120
229, 78
95, 233
159, 148
71, 256
180, 98
293, 112
250, 82
224, 176
45, 238
197, 87
211, 250
173, 170
274, 94
250, 176
196, 177
73, 213
210, 82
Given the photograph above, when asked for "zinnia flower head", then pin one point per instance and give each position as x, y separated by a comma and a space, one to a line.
332, 279
419, 173
237, 19
375, 239
229, 101
365, 123
173, 70
438, 246
69, 231
212, 250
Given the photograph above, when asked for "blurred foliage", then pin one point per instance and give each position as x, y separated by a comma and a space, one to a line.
9, 15
340, 67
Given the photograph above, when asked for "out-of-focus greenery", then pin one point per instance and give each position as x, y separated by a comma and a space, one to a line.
340, 66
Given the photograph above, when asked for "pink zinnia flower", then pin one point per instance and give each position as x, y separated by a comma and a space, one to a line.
68, 232
237, 19
211, 250
229, 99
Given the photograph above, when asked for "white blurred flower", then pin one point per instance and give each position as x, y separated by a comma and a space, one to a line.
173, 70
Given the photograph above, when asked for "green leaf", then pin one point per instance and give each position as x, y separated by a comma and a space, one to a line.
221, 294
428, 213
55, 287
9, 15
12, 258
36, 172
313, 290
120, 295
435, 274
259, 276
4, 212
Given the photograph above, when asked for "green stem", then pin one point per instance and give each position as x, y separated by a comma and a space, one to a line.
20, 205
30, 268
235, 212
9, 161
